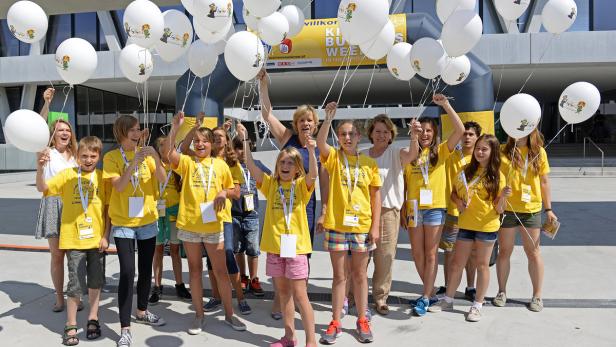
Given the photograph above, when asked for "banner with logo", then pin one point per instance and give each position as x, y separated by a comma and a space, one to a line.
320, 44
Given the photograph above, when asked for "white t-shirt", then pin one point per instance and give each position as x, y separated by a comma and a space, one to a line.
57, 164
391, 172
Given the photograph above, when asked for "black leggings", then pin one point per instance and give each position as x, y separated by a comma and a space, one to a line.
126, 255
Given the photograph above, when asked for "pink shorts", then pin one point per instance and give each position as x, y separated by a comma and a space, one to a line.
290, 268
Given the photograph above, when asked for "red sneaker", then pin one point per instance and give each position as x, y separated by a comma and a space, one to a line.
245, 280
331, 334
255, 287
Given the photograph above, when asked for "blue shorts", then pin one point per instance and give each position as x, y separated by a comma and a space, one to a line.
144, 232
471, 235
431, 217
232, 266
246, 234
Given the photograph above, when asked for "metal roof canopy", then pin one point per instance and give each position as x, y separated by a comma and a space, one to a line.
54, 7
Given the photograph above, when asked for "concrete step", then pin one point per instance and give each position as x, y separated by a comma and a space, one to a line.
577, 171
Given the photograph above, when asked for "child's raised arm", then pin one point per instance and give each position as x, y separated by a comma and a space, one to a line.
330, 112
458, 127
313, 169
169, 145
255, 171
185, 145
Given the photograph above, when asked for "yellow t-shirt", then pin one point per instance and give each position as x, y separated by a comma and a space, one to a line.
437, 181
238, 178
338, 202
274, 224
480, 215
171, 194
456, 161
193, 192
114, 166
532, 179
65, 184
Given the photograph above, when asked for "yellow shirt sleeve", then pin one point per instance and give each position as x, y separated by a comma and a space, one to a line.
56, 183
111, 167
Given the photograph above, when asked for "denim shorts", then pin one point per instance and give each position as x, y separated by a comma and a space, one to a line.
431, 217
471, 235
232, 266
246, 234
144, 232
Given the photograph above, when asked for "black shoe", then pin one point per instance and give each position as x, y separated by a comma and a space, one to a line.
155, 296
182, 292
469, 294
441, 290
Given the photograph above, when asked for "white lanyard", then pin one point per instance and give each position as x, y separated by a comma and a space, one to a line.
162, 187
134, 178
462, 173
348, 174
246, 175
525, 169
209, 177
288, 211
84, 199
425, 170
470, 185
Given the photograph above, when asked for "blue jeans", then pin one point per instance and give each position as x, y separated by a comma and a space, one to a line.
232, 267
472, 235
246, 234
143, 232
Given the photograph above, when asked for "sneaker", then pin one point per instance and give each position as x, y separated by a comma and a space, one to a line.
331, 334
235, 323
469, 294
441, 290
182, 292
284, 342
474, 315
212, 305
255, 287
196, 326
441, 305
276, 315
244, 307
421, 306
244, 282
345, 308
364, 334
500, 300
536, 304
126, 339
155, 296
150, 319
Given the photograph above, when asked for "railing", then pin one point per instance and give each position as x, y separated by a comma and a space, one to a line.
600, 150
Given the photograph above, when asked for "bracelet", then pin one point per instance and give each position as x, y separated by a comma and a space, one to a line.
547, 210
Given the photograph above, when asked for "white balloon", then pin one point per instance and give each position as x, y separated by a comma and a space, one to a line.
188, 5
399, 61
428, 58
444, 8
457, 70
273, 28
381, 45
261, 8
510, 9
214, 15
202, 58
143, 23
461, 32
221, 44
211, 37
578, 102
136, 63
244, 55
27, 130
520, 115
76, 60
176, 38
295, 17
250, 19
559, 15
27, 21
362, 20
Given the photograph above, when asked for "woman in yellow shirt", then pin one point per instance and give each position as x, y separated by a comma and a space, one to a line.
528, 177
480, 196
286, 237
351, 219
425, 184
206, 182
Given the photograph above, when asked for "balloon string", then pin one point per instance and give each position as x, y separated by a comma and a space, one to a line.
335, 78
66, 94
188, 90
550, 142
138, 96
369, 84
537, 65
207, 90
411, 92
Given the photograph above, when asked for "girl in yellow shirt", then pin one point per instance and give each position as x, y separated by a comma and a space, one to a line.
480, 196
425, 184
351, 220
528, 177
286, 237
206, 182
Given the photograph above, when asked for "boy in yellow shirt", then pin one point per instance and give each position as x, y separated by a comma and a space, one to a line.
84, 232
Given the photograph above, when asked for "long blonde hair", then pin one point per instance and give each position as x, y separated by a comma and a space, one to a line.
535, 143
72, 145
296, 156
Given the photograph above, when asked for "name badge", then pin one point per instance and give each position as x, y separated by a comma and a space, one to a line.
350, 220
135, 207
411, 218
86, 231
208, 214
249, 203
526, 193
161, 206
425, 197
288, 245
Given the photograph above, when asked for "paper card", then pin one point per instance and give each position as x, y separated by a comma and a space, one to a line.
350, 220
526, 193
550, 229
411, 221
208, 214
161, 206
288, 245
135, 207
249, 202
425, 197
86, 233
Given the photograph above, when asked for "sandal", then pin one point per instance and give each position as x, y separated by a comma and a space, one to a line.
93, 329
70, 340
57, 308
382, 309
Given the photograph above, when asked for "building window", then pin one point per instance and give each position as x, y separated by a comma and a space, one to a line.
9, 45
60, 29
603, 15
